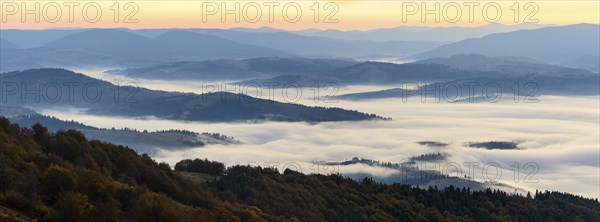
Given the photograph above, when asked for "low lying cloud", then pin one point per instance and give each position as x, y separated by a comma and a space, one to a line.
559, 134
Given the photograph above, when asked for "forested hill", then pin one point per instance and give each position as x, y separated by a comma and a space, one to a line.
64, 177
60, 88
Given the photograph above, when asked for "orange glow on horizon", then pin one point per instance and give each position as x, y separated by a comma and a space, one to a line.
341, 15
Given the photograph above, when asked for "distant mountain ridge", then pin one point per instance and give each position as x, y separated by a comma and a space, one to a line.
289, 70
502, 88
173, 45
421, 33
510, 65
306, 72
323, 47
555, 45
100, 48
94, 48
4, 44
25, 38
571, 46
236, 69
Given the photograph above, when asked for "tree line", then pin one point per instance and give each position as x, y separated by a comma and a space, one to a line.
63, 176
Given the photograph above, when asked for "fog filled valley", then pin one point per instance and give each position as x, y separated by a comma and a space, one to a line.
275, 125
553, 129
557, 134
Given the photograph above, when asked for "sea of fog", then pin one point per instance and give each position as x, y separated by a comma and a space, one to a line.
559, 137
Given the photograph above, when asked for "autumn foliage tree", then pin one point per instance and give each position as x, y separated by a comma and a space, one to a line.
65, 177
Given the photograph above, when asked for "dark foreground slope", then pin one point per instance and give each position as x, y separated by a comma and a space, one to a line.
334, 198
64, 177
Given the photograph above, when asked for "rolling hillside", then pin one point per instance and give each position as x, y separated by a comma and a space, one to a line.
99, 97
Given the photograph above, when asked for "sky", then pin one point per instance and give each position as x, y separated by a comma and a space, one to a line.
291, 15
